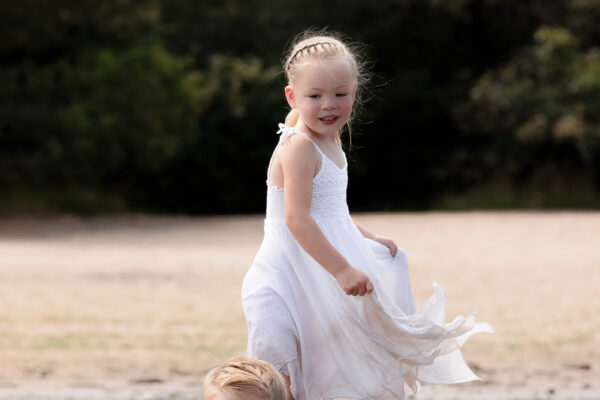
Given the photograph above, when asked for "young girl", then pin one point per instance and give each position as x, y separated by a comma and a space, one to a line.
328, 302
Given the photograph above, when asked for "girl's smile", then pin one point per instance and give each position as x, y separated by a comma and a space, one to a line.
330, 119
323, 95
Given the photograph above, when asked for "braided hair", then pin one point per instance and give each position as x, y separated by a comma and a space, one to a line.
311, 46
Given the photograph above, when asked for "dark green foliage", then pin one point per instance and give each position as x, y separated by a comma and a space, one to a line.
172, 106
90, 104
539, 112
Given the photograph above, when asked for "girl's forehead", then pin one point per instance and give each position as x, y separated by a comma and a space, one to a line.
324, 74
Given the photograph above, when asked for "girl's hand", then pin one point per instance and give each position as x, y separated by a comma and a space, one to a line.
354, 282
389, 243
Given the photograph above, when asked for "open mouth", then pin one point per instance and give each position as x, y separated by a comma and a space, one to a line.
329, 119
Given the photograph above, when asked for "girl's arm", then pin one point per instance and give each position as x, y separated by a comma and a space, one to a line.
389, 243
364, 230
299, 159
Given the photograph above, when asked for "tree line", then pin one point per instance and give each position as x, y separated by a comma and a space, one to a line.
172, 106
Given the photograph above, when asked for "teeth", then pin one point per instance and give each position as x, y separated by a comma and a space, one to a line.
328, 118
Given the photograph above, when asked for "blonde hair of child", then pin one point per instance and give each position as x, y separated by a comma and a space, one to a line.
319, 46
243, 378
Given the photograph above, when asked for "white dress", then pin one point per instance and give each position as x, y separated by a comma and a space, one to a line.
334, 345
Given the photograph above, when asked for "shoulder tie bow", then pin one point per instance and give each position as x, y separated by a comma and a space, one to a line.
285, 131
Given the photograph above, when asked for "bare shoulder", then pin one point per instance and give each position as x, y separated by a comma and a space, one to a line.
299, 150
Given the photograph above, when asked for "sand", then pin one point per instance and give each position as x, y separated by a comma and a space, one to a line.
142, 307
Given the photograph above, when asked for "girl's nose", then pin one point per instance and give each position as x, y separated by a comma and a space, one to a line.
328, 103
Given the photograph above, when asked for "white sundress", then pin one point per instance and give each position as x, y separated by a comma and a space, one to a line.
333, 345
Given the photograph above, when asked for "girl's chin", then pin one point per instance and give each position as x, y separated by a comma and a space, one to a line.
326, 130
323, 129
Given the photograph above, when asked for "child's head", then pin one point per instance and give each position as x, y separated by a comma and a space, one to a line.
244, 379
329, 54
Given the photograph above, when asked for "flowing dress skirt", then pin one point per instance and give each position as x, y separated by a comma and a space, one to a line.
334, 345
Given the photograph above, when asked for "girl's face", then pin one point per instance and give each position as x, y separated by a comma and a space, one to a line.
323, 94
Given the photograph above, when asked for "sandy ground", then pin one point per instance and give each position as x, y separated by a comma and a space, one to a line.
141, 307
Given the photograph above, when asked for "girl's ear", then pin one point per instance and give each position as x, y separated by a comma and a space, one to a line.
354, 91
290, 96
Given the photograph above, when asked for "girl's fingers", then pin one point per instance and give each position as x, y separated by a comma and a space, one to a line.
369, 286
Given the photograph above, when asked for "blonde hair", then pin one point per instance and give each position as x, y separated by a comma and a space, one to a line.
244, 377
311, 46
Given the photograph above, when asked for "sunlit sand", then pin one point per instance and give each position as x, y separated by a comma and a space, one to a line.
154, 302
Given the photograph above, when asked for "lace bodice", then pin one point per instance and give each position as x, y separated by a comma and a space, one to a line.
328, 188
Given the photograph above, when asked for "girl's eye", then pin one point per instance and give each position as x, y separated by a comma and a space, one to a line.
341, 94
314, 96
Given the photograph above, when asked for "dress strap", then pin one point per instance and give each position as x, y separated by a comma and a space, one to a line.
285, 132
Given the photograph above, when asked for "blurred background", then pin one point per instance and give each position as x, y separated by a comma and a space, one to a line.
172, 106
126, 125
